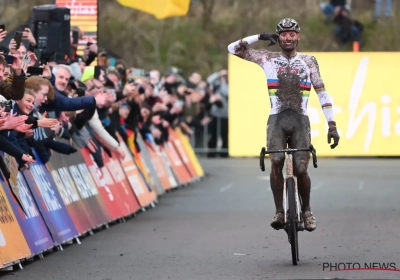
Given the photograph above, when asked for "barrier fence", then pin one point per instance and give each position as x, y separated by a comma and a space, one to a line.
211, 138
53, 204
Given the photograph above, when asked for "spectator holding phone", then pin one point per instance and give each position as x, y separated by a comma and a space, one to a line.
14, 90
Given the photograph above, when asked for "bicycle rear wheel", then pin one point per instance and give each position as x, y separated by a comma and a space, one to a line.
292, 219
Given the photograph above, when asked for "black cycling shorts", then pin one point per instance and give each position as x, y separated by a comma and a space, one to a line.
291, 124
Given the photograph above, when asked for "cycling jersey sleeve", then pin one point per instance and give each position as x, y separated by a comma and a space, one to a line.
240, 48
319, 87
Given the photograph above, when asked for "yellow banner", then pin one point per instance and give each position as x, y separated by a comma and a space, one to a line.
365, 96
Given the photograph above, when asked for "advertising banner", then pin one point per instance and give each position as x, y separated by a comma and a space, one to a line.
105, 184
12, 241
69, 193
148, 165
160, 168
49, 202
365, 102
30, 221
174, 138
87, 188
128, 201
178, 166
190, 152
139, 187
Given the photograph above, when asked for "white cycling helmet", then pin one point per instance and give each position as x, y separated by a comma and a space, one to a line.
287, 24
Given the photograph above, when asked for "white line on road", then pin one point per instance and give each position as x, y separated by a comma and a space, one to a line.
227, 187
361, 185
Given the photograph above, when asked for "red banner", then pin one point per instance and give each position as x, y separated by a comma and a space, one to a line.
105, 184
129, 202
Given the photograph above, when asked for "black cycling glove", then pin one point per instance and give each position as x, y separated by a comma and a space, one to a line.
332, 133
273, 38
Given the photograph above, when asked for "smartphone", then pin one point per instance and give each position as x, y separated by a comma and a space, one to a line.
110, 91
35, 71
97, 72
9, 59
18, 38
2, 26
138, 72
75, 36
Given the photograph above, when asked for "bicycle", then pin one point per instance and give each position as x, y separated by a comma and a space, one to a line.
293, 222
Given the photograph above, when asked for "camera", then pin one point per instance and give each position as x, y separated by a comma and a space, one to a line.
7, 104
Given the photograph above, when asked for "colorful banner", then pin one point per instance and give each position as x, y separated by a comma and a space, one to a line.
148, 164
163, 171
84, 15
190, 152
50, 203
182, 152
178, 166
365, 102
106, 186
69, 193
88, 191
32, 225
128, 201
137, 182
12, 241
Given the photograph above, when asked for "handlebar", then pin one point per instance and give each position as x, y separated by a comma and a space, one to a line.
311, 149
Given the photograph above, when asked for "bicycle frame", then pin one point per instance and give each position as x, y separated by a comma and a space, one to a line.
289, 172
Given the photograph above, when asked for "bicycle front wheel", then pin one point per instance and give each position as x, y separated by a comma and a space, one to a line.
292, 219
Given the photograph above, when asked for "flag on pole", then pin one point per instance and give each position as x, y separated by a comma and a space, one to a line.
161, 9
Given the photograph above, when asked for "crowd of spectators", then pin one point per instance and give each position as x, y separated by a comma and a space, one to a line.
87, 100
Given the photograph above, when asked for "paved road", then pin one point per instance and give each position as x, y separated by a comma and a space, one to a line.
219, 229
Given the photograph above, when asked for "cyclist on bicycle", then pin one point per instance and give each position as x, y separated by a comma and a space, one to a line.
289, 78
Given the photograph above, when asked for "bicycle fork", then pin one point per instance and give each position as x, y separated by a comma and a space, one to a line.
289, 174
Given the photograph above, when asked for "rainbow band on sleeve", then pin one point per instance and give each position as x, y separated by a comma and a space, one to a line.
273, 86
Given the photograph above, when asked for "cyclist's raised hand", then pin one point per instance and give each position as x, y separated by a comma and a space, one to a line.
332, 133
273, 38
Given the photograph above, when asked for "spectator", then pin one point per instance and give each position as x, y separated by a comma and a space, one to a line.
219, 111
329, 9
388, 10
346, 28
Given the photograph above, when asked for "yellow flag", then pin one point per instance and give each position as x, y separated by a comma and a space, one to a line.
161, 9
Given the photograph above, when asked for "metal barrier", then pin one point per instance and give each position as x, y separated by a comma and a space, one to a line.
211, 139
